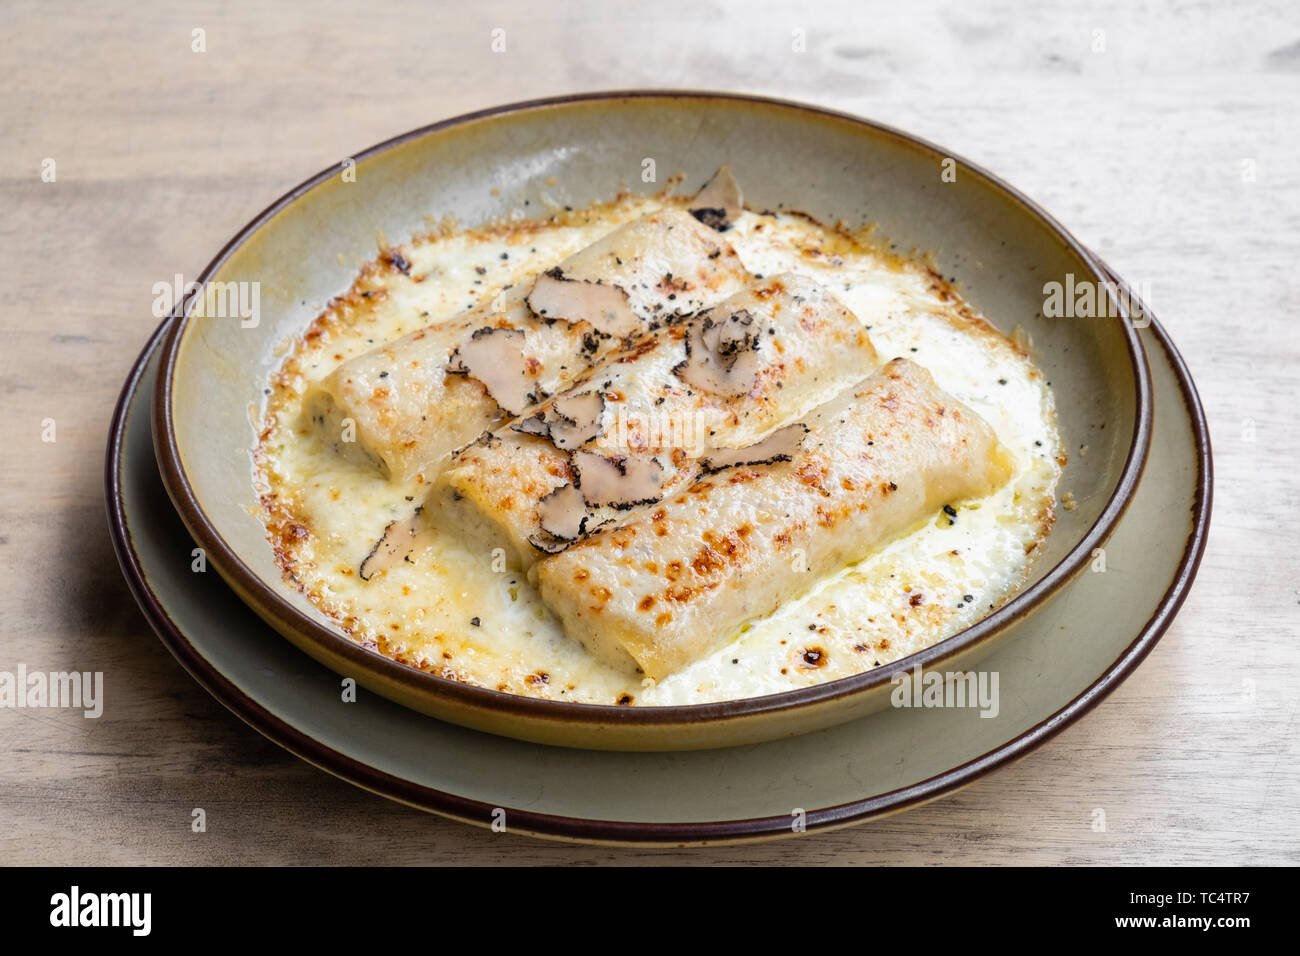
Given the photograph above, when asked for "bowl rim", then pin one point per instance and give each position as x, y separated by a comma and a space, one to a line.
283, 615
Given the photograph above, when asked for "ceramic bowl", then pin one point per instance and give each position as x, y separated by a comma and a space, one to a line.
305, 248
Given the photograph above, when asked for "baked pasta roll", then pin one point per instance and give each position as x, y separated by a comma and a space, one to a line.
670, 586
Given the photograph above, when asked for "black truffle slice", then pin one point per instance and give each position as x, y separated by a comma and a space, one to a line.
722, 353
563, 513
602, 305
496, 358
781, 445
535, 424
569, 422
398, 542
719, 202
619, 482
575, 419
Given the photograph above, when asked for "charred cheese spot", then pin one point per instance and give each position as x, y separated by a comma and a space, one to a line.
814, 657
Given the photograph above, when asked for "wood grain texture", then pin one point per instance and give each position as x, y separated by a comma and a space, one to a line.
1172, 153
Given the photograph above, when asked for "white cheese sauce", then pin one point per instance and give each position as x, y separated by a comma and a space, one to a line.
456, 611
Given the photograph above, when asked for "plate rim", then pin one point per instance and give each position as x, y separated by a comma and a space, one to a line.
271, 605
645, 834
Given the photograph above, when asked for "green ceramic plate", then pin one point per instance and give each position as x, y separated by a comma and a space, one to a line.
1063, 661
1001, 248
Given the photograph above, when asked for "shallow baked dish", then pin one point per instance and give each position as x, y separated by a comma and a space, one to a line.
989, 243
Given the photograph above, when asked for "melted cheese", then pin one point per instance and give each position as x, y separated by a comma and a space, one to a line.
457, 608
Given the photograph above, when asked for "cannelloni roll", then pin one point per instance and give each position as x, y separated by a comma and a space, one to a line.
413, 401
634, 428
403, 406
669, 586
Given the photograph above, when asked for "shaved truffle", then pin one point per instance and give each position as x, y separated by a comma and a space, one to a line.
621, 482
722, 353
719, 202
533, 425
778, 446
546, 542
603, 305
563, 513
399, 540
576, 419
564, 517
569, 422
496, 358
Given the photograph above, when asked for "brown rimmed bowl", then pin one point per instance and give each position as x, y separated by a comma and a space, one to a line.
307, 246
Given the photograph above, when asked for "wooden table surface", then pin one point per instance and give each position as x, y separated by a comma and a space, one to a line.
1165, 136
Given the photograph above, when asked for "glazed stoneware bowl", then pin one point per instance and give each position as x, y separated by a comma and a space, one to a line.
307, 247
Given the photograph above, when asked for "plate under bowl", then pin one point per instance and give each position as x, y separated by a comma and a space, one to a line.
1061, 666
